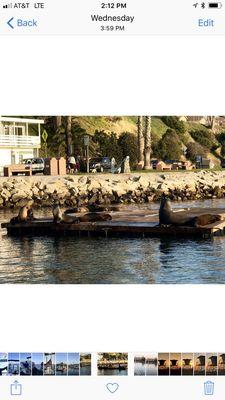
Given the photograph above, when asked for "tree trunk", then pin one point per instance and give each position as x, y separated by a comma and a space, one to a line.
140, 139
147, 138
212, 122
68, 136
58, 122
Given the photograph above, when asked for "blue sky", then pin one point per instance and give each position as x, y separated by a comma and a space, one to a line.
73, 358
13, 356
61, 357
37, 358
24, 357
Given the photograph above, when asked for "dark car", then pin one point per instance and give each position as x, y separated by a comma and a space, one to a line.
100, 164
37, 164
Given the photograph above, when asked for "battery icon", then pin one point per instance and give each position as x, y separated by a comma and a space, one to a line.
215, 5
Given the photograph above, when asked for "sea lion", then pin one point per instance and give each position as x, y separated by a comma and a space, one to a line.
22, 215
59, 217
94, 217
76, 210
168, 217
57, 213
207, 219
69, 219
101, 208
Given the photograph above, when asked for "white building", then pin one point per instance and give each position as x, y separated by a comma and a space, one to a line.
20, 138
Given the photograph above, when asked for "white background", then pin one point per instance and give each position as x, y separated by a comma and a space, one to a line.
112, 76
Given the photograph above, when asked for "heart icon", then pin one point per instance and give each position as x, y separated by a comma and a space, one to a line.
112, 387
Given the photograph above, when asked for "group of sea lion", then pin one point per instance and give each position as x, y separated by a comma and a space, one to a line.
66, 218
95, 213
168, 217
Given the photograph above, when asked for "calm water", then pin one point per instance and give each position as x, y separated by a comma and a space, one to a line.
112, 372
142, 369
127, 261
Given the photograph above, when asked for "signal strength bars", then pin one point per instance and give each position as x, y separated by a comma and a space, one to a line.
7, 5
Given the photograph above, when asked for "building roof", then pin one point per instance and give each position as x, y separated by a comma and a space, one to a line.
24, 120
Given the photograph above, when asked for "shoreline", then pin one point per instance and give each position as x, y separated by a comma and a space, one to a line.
44, 191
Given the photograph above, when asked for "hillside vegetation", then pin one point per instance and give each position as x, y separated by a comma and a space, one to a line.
117, 136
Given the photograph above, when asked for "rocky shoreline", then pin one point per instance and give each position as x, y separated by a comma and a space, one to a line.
43, 191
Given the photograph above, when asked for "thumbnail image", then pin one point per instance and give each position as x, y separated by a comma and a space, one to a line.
61, 363
146, 364
163, 364
221, 364
152, 364
3, 364
159, 177
25, 363
187, 363
175, 363
113, 364
49, 363
37, 364
13, 363
140, 365
85, 364
211, 364
199, 364
73, 364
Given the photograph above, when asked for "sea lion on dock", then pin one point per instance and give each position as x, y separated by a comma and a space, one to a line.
168, 217
207, 219
76, 210
69, 219
22, 215
96, 208
57, 213
95, 217
59, 217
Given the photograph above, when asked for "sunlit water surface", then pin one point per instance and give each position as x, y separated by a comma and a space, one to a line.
112, 260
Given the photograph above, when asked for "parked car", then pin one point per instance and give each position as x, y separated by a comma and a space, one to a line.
37, 164
100, 164
154, 162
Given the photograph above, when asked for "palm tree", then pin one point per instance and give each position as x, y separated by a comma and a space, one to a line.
68, 136
140, 139
147, 141
57, 122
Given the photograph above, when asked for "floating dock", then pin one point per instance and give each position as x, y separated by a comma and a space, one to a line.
126, 223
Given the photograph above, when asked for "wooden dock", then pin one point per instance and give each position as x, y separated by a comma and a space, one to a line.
127, 223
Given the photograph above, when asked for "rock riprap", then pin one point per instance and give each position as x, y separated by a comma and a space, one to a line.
125, 188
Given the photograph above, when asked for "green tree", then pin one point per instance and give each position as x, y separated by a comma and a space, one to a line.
174, 123
128, 143
170, 146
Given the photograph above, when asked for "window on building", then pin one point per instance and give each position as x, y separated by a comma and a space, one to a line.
18, 130
6, 130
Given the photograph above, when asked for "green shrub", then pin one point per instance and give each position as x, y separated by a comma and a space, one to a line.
174, 123
169, 147
205, 138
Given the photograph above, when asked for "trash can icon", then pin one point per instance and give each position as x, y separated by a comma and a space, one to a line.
16, 389
209, 388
